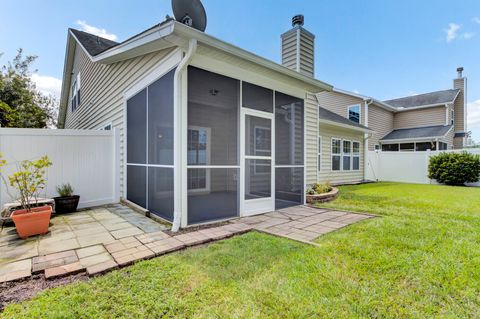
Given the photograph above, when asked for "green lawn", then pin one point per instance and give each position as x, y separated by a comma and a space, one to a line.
420, 259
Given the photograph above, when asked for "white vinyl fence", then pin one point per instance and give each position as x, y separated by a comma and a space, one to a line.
88, 160
405, 167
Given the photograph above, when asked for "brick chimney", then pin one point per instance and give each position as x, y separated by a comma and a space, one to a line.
460, 109
298, 48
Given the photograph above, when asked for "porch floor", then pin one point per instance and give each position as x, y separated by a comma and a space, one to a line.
101, 239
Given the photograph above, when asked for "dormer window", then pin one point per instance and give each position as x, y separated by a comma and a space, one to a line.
452, 117
75, 93
354, 113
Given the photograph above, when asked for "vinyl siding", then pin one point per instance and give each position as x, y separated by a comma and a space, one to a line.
101, 101
306, 56
381, 121
458, 143
311, 144
460, 105
449, 139
421, 117
327, 132
338, 103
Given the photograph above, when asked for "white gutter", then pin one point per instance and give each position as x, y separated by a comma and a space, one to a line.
177, 102
426, 106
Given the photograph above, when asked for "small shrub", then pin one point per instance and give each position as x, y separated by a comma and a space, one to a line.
318, 188
30, 180
65, 190
454, 168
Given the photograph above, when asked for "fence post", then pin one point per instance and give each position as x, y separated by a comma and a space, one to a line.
428, 153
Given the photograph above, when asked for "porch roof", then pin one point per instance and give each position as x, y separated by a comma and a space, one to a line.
328, 117
428, 132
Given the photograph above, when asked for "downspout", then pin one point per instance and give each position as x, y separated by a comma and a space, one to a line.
177, 95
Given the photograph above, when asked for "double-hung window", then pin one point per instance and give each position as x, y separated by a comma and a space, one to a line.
354, 113
356, 156
75, 93
347, 155
336, 154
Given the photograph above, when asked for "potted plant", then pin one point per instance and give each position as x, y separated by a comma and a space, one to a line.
32, 219
66, 202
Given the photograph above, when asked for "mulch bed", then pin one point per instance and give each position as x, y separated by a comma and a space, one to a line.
14, 292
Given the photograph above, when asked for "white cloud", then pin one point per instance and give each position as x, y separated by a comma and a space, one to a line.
452, 31
476, 20
474, 115
468, 35
47, 85
97, 31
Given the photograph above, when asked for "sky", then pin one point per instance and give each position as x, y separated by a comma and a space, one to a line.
380, 48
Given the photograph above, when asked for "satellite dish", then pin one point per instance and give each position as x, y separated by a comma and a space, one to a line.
191, 13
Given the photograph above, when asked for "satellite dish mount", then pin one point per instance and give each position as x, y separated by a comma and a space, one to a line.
191, 13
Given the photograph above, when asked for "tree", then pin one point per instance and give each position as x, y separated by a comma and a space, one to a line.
21, 104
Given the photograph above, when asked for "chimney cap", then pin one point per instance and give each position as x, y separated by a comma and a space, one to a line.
460, 71
298, 20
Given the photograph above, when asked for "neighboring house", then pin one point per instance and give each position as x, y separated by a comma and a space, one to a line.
209, 131
435, 120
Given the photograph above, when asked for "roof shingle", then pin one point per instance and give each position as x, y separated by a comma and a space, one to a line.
432, 98
418, 132
93, 43
327, 115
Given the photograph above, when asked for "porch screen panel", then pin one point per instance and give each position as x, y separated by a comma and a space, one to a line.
160, 191
213, 142
137, 185
160, 121
137, 149
150, 145
289, 150
288, 186
137, 128
219, 200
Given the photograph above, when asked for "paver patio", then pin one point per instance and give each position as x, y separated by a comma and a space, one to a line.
101, 239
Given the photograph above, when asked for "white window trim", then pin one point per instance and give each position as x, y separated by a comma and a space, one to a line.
356, 155
359, 112
347, 155
335, 154
342, 154
75, 88
207, 188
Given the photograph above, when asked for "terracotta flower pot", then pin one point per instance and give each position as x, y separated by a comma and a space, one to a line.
33, 222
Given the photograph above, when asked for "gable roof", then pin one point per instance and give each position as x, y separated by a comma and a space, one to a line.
427, 99
329, 117
418, 133
167, 34
93, 43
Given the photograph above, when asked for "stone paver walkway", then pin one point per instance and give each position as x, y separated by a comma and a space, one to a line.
102, 239
302, 223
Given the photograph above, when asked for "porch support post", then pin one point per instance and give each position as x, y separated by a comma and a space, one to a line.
180, 138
